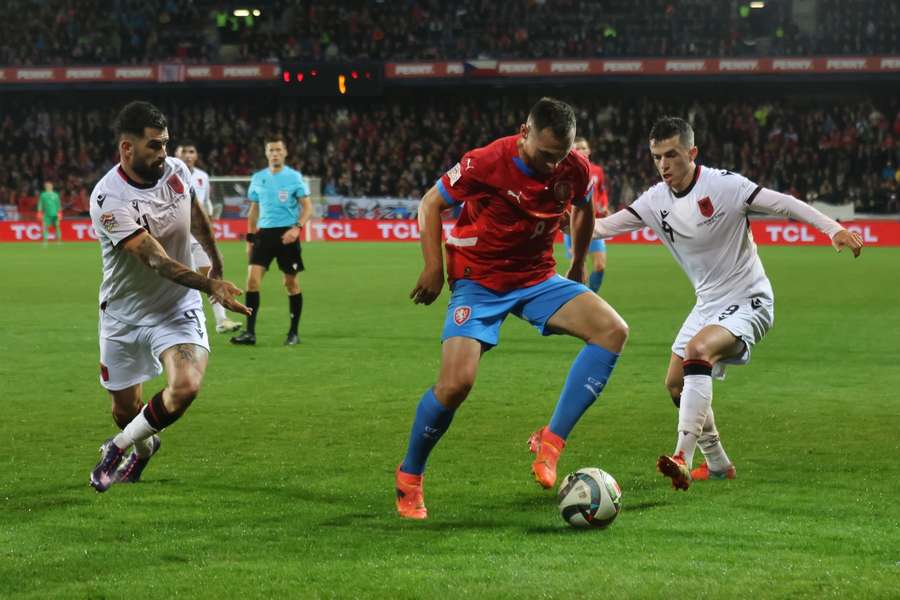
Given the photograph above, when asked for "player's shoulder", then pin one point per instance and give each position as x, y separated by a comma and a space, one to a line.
293, 173
715, 179
200, 173
654, 193
258, 175
176, 165
578, 164
109, 193
491, 153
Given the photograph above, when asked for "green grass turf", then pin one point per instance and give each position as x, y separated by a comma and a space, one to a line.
278, 482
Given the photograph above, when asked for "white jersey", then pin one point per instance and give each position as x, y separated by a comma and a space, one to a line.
200, 182
706, 229
130, 291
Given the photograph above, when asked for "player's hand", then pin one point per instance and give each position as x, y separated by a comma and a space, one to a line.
290, 236
428, 287
225, 292
576, 273
847, 239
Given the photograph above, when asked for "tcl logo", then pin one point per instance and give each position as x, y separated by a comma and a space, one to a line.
334, 230
794, 234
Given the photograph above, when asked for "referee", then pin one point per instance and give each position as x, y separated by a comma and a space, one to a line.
274, 228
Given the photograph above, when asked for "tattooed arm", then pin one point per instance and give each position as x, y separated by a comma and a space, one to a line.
147, 250
150, 252
202, 231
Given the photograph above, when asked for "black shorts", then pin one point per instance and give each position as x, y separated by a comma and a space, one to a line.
268, 246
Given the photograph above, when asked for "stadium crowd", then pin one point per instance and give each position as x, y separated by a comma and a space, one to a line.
398, 146
57, 32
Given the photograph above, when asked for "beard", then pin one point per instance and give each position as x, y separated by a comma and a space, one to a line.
149, 172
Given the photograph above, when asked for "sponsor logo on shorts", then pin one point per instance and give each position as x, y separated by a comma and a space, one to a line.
104, 372
108, 220
462, 314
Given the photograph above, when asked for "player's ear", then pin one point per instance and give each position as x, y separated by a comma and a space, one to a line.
523, 130
693, 153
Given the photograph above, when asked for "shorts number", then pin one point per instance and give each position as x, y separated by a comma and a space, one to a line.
538, 229
729, 311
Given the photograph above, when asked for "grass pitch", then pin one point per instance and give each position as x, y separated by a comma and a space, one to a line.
278, 482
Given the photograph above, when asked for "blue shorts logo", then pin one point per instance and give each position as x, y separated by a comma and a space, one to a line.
462, 314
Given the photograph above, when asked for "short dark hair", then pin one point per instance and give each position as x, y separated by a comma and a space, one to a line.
555, 114
667, 127
136, 116
187, 144
274, 138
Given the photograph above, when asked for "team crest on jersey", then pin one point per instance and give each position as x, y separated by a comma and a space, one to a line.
454, 174
108, 220
462, 314
706, 206
562, 191
174, 182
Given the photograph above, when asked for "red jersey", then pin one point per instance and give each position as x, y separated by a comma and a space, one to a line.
601, 198
504, 236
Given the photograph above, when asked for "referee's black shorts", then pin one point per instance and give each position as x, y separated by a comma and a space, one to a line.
268, 245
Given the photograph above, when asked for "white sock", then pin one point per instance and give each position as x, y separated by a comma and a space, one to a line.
143, 448
711, 446
696, 399
138, 430
218, 312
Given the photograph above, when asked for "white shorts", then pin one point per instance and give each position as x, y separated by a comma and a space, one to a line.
747, 318
199, 255
129, 354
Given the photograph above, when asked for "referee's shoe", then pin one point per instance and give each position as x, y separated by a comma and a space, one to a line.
245, 339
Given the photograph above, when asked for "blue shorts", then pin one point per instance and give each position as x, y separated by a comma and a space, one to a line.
477, 312
596, 245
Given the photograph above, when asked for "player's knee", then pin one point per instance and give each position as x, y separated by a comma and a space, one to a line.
452, 393
697, 350
615, 335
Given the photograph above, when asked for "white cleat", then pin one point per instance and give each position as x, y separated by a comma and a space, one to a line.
227, 326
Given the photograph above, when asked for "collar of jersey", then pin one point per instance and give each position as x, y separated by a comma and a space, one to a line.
520, 164
132, 182
688, 189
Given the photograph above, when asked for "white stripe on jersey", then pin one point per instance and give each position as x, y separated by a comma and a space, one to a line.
130, 292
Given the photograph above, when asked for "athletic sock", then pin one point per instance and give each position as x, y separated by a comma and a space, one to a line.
432, 420
142, 447
218, 312
295, 304
588, 376
595, 280
696, 400
253, 305
711, 446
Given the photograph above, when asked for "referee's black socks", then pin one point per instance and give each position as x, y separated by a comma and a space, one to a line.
296, 305
253, 304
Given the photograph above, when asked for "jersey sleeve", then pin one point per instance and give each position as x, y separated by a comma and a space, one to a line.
302, 187
744, 189
462, 181
253, 190
114, 219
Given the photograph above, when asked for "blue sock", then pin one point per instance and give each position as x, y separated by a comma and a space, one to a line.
595, 280
587, 378
432, 420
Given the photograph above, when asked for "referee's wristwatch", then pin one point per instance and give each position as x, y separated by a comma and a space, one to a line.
298, 225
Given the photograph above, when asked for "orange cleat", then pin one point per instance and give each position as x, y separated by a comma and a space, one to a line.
674, 468
702, 473
410, 497
547, 447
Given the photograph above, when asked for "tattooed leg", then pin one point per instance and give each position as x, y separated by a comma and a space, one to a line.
185, 365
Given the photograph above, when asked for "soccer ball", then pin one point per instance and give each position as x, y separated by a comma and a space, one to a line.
589, 498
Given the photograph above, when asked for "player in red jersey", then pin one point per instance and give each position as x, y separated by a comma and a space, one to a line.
500, 261
597, 249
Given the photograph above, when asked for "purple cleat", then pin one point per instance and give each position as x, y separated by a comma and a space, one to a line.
133, 466
104, 474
